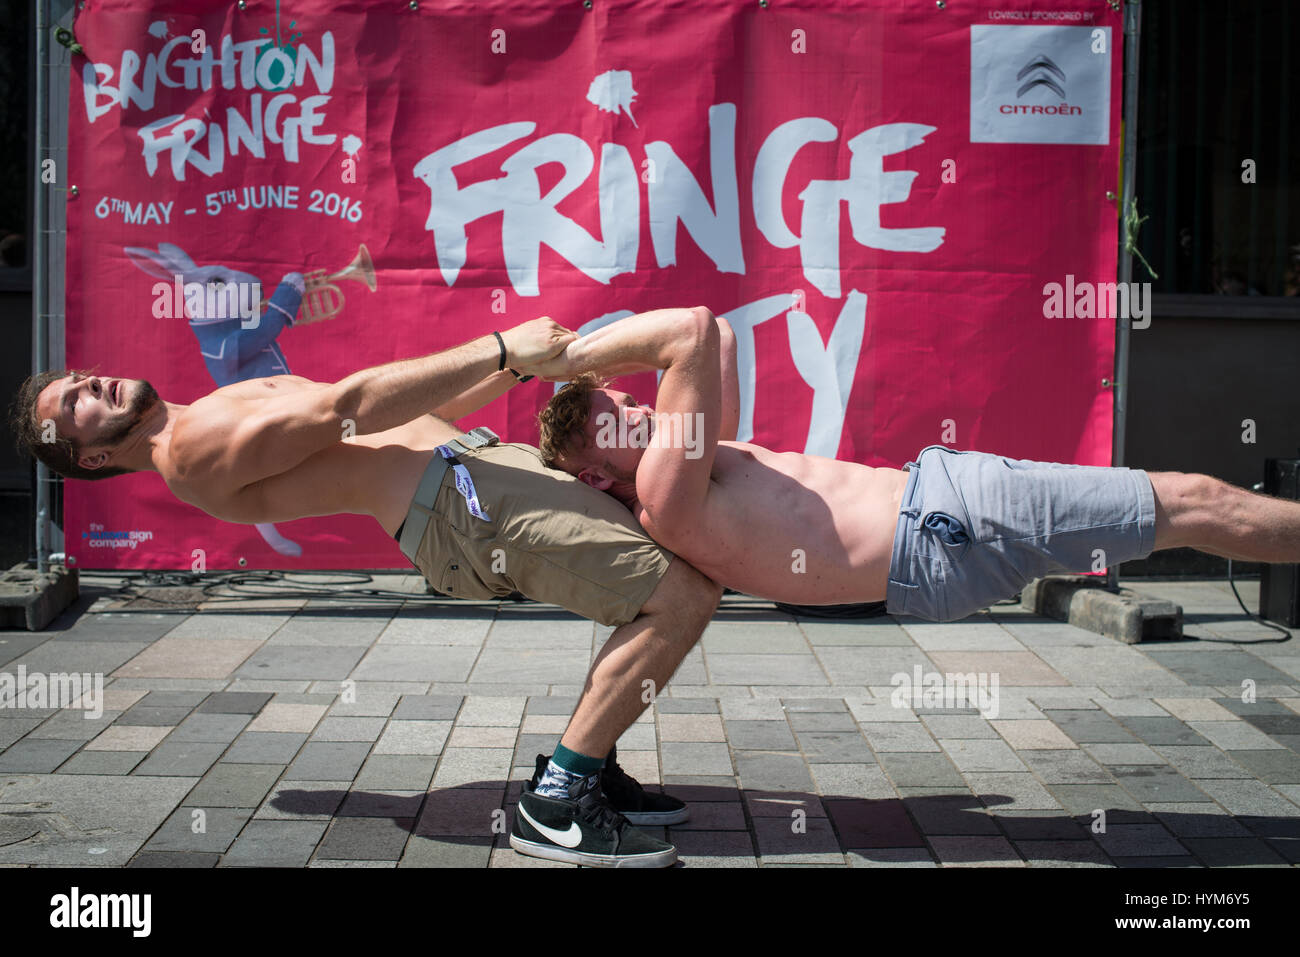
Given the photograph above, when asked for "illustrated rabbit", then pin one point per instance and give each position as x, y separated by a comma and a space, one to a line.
232, 352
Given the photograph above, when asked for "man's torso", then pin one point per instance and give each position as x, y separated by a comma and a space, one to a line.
797, 528
373, 475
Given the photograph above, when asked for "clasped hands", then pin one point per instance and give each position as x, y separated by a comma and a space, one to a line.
539, 348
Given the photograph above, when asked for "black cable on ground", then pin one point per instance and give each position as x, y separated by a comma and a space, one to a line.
239, 586
1259, 618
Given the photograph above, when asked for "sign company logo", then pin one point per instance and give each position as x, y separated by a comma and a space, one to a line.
98, 537
1045, 67
1040, 84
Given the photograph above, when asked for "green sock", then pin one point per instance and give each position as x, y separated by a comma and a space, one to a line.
576, 763
565, 769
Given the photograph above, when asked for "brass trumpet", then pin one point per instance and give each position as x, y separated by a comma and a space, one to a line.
322, 299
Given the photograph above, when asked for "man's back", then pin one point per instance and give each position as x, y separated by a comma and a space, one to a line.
790, 527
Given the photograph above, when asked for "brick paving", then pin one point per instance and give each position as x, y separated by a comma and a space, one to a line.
337, 732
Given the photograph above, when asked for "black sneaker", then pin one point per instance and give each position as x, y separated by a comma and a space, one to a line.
584, 829
641, 807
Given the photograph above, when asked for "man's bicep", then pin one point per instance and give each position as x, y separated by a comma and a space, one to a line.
672, 490
673, 475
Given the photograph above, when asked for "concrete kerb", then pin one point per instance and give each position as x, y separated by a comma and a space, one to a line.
31, 600
1085, 602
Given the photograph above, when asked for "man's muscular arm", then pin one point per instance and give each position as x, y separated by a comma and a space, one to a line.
476, 396
672, 482
640, 343
238, 444
387, 396
618, 349
686, 344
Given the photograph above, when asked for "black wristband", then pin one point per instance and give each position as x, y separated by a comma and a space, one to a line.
502, 343
521, 378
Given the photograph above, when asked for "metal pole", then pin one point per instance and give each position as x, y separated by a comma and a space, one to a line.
1132, 34
40, 279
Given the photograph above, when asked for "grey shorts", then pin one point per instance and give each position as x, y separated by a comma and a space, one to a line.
975, 528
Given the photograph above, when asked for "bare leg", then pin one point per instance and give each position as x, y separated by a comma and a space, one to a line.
1210, 515
649, 647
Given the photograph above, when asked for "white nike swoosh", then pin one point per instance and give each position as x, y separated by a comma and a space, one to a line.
570, 838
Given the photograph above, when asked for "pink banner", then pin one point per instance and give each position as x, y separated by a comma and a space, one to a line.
879, 196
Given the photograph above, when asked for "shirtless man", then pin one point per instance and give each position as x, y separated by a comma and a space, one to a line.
950, 534
283, 447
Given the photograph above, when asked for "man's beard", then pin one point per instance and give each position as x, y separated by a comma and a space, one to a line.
141, 402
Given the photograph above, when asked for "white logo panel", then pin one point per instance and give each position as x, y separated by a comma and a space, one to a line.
1040, 84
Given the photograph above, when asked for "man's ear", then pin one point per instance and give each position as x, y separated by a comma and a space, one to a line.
594, 478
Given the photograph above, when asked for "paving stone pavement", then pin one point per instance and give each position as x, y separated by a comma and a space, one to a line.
346, 731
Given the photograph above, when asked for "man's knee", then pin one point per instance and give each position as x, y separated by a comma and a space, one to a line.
684, 593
